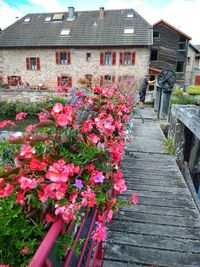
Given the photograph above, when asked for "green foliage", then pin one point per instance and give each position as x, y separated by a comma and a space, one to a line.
4, 85
183, 99
194, 90
6, 152
169, 145
16, 233
11, 108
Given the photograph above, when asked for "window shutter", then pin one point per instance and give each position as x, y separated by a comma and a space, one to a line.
113, 79
38, 63
101, 80
9, 80
19, 79
68, 58
57, 57
70, 81
121, 58
133, 58
58, 81
101, 58
28, 63
113, 58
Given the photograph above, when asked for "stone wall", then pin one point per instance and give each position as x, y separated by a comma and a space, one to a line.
10, 95
13, 63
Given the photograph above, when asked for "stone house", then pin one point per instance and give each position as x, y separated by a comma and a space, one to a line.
55, 48
169, 50
192, 74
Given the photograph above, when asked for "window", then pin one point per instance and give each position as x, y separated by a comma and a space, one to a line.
63, 57
180, 66
107, 79
127, 58
28, 19
188, 60
57, 17
156, 34
182, 43
48, 19
88, 57
14, 80
65, 32
88, 78
33, 63
108, 58
129, 30
64, 80
129, 15
154, 55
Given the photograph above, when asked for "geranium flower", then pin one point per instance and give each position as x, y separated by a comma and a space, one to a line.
27, 151
120, 186
43, 116
7, 190
93, 138
100, 232
134, 199
6, 123
20, 198
27, 183
87, 127
21, 116
88, 198
36, 165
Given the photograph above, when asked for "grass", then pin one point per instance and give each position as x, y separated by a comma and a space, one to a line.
169, 145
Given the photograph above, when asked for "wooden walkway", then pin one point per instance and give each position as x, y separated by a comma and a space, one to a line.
164, 229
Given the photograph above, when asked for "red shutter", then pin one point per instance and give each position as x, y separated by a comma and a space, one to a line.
133, 58
101, 80
113, 58
70, 81
57, 57
58, 81
38, 63
121, 58
101, 58
28, 63
113, 79
9, 80
68, 58
19, 79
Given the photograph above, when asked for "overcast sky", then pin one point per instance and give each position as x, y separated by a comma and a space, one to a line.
183, 14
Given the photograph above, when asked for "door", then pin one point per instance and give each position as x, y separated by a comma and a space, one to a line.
197, 80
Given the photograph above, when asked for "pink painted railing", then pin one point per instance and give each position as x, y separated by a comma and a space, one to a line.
93, 257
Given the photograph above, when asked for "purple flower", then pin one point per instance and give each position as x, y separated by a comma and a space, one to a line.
78, 184
99, 178
101, 145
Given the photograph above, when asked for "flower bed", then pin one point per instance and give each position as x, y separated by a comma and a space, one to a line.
64, 166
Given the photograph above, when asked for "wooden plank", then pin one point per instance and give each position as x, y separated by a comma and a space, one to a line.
155, 242
150, 256
155, 182
181, 221
127, 227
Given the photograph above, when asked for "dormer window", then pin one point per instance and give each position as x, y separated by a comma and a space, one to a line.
28, 19
129, 15
65, 32
47, 19
128, 30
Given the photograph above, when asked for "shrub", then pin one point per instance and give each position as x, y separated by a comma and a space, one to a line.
169, 145
183, 100
194, 90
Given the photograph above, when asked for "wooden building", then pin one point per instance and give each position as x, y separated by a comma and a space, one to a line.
169, 50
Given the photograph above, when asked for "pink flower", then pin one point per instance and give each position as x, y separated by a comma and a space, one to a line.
7, 190
97, 177
20, 198
31, 127
63, 119
58, 107
27, 151
27, 183
6, 123
109, 216
88, 125
36, 165
43, 116
134, 199
93, 138
24, 250
100, 232
88, 198
50, 218
21, 116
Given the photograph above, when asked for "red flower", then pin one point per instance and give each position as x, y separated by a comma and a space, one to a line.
134, 199
24, 250
36, 165
20, 198
21, 116
93, 138
100, 232
7, 190
88, 125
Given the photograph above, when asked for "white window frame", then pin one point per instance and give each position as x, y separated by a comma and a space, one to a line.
65, 32
128, 30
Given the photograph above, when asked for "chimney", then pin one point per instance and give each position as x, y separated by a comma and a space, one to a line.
71, 13
101, 12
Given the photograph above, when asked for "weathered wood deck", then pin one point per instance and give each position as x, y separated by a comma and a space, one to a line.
164, 229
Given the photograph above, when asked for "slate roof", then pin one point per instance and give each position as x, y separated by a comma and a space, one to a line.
108, 31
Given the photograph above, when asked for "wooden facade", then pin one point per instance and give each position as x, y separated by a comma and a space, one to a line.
169, 49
